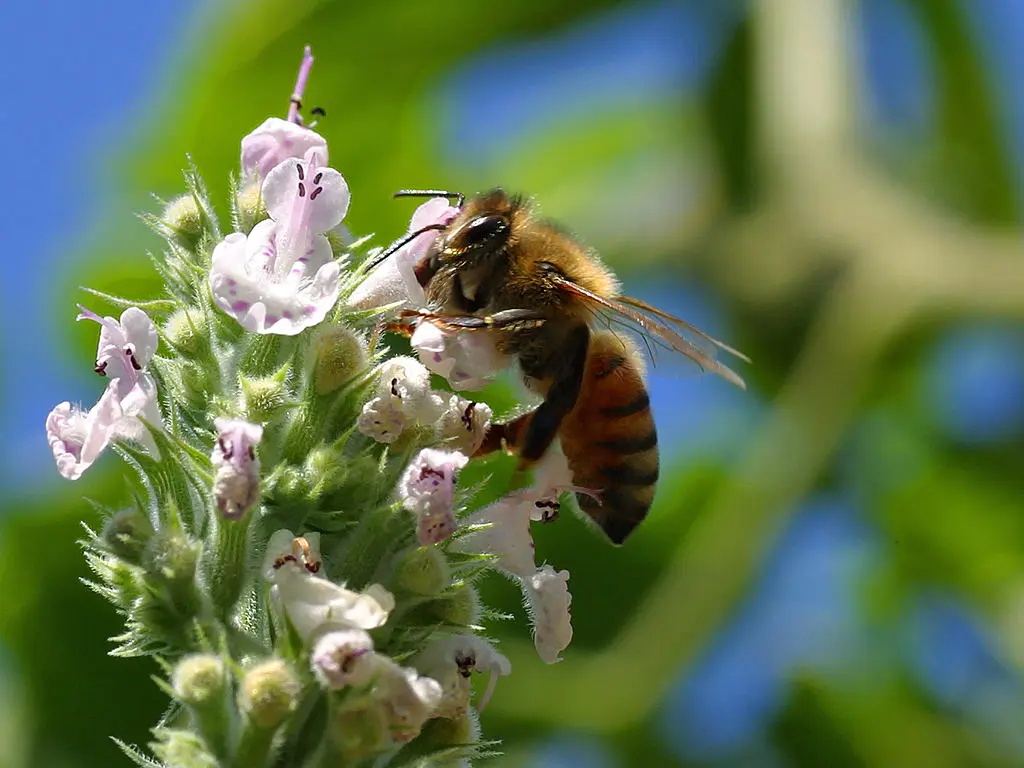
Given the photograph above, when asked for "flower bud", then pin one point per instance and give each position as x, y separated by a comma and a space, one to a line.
361, 731
269, 693
188, 332
327, 469
199, 680
183, 217
460, 607
170, 558
251, 207
126, 534
264, 398
339, 354
422, 571
443, 732
197, 384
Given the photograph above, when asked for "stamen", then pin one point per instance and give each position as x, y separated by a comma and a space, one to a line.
302, 173
467, 416
302, 189
394, 388
300, 86
101, 368
316, 192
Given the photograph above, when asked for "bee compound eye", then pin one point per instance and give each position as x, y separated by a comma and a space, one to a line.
483, 229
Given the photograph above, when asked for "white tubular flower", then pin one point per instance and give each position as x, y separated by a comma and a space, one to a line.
236, 483
507, 536
547, 594
451, 660
408, 698
427, 489
277, 140
466, 359
312, 603
463, 423
281, 278
403, 399
78, 437
341, 658
126, 346
394, 280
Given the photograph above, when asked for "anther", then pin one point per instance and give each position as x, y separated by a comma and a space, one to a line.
316, 179
394, 388
101, 368
467, 416
318, 111
302, 189
316, 192
302, 173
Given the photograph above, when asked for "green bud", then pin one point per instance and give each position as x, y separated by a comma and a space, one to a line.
185, 219
170, 558
339, 354
461, 606
199, 680
197, 384
443, 732
251, 208
200, 683
126, 534
263, 398
269, 693
188, 331
422, 571
360, 731
327, 469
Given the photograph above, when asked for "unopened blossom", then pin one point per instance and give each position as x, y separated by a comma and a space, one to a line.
341, 658
548, 598
299, 589
467, 359
281, 278
394, 279
126, 346
408, 698
463, 423
451, 660
427, 489
277, 140
236, 483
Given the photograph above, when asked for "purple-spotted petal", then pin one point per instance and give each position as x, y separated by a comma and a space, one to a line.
306, 194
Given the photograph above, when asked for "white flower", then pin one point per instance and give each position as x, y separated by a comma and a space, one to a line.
466, 359
394, 280
427, 489
408, 698
451, 660
236, 483
292, 564
281, 278
403, 399
462, 424
126, 346
341, 657
506, 535
77, 437
277, 140
547, 594
383, 419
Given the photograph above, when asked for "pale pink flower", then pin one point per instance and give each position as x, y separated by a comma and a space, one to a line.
427, 489
341, 657
451, 660
236, 483
467, 359
281, 278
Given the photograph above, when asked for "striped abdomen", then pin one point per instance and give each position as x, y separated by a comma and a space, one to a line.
610, 439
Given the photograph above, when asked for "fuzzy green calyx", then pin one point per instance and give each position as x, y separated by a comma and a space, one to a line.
422, 571
126, 534
265, 397
189, 332
199, 679
185, 220
339, 354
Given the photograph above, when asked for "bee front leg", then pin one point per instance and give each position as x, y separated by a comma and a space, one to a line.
542, 424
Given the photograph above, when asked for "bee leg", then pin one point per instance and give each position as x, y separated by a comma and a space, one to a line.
545, 420
505, 320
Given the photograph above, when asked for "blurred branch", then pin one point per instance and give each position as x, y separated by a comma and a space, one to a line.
902, 262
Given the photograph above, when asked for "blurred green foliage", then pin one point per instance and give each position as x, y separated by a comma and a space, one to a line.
838, 270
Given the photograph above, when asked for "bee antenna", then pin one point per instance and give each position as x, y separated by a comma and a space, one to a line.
318, 111
399, 244
458, 197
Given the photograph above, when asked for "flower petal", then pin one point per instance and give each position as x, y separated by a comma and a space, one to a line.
306, 193
276, 140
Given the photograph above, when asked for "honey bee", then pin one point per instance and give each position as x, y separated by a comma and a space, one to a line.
549, 302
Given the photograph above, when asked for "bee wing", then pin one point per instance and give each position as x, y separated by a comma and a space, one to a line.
656, 325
